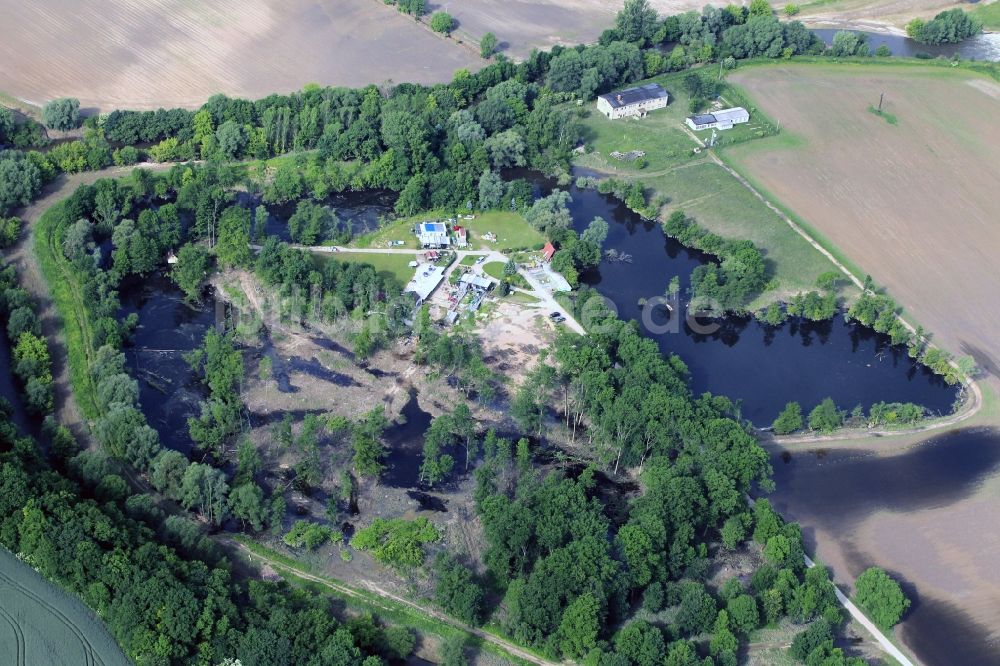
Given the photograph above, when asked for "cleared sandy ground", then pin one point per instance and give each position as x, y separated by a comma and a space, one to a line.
151, 53
914, 204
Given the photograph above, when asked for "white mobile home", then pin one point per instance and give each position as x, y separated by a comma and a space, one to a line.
721, 120
633, 101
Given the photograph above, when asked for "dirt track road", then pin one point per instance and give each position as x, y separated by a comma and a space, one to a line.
372, 587
29, 272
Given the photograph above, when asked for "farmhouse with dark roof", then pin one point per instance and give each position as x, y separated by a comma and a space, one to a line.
633, 101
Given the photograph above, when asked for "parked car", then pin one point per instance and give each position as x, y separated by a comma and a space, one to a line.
555, 314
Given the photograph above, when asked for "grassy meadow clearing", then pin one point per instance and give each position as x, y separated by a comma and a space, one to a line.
695, 183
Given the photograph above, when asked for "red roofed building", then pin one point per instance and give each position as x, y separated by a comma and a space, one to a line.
548, 251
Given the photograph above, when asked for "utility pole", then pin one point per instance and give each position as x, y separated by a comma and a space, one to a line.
881, 95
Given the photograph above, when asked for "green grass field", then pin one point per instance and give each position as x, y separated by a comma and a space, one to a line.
522, 298
720, 203
67, 295
988, 14
394, 265
512, 230
397, 230
41, 624
495, 270
660, 134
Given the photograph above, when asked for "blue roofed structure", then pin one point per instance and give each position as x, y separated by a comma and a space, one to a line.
433, 234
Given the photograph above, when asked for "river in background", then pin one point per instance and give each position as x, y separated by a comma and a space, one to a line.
832, 494
984, 46
762, 366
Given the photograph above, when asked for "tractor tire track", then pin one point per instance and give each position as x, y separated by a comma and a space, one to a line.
90, 655
18, 636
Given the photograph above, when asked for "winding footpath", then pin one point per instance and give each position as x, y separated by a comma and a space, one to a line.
29, 272
502, 643
863, 620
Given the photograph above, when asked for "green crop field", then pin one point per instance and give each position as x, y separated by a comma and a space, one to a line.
40, 625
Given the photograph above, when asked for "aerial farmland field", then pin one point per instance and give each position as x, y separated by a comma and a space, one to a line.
134, 54
912, 201
40, 624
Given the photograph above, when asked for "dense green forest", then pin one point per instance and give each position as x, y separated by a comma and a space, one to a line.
167, 594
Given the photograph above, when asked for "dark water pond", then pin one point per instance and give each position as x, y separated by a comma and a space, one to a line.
169, 391
979, 47
404, 444
8, 388
360, 212
834, 491
762, 366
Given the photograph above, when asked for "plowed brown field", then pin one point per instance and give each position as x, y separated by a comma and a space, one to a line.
150, 53
915, 204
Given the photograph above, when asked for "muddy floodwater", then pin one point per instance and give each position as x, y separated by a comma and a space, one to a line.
927, 515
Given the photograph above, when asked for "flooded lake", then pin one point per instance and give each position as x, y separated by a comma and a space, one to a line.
762, 366
169, 391
360, 212
921, 491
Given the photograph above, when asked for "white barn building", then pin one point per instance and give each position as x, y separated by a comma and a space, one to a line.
721, 120
633, 101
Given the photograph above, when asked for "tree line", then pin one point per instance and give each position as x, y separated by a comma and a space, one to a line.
425, 140
947, 27
166, 595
